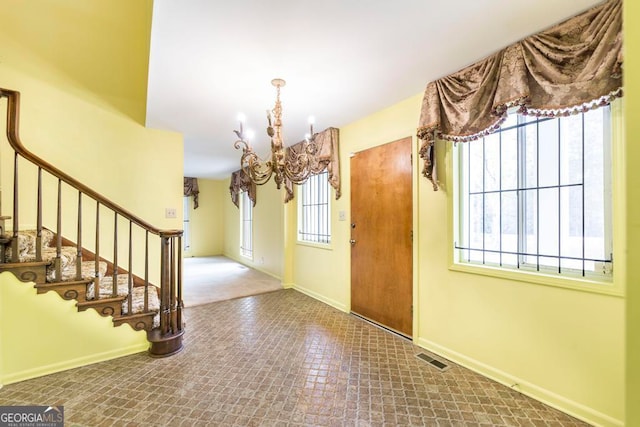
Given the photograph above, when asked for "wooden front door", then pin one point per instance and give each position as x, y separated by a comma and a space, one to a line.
381, 235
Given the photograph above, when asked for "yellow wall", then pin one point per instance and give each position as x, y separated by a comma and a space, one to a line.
268, 231
562, 346
42, 334
82, 72
310, 272
99, 48
207, 222
632, 112
81, 68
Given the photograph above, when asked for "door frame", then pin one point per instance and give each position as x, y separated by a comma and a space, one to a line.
415, 175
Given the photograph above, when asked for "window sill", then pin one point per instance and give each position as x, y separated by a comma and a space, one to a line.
565, 282
325, 246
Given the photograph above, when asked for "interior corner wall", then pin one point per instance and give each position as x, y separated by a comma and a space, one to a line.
309, 271
561, 346
206, 224
88, 123
96, 50
268, 231
632, 172
68, 121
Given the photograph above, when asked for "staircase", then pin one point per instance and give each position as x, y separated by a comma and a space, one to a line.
77, 271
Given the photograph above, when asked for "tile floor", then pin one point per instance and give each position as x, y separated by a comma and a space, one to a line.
281, 359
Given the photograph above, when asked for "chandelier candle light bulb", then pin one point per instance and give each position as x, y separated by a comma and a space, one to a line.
241, 119
287, 165
312, 120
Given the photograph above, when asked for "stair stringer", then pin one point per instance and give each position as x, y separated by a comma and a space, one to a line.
43, 334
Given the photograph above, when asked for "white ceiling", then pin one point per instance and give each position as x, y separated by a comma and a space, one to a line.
342, 60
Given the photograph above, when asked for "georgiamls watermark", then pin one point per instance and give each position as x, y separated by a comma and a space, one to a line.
31, 416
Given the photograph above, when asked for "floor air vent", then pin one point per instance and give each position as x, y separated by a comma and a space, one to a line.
438, 364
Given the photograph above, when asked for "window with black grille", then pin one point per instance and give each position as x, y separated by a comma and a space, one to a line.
314, 220
246, 225
536, 195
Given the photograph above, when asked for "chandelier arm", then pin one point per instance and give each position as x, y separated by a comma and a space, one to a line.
241, 143
257, 170
254, 168
258, 179
284, 165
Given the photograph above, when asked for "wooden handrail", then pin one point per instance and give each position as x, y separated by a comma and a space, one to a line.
166, 339
13, 135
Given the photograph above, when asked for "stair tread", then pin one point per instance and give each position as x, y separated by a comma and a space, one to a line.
128, 316
27, 254
137, 301
88, 271
93, 302
139, 321
7, 265
62, 283
106, 286
68, 255
27, 241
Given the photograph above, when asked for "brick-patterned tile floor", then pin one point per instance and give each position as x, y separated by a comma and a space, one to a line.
281, 359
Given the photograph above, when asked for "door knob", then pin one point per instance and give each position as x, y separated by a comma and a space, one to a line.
352, 241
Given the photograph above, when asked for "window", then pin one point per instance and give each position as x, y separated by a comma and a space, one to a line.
246, 226
314, 220
186, 235
536, 196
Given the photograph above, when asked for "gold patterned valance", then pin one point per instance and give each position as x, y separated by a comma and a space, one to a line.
240, 182
569, 68
326, 156
191, 189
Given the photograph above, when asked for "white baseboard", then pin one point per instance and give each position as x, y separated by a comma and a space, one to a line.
73, 363
322, 298
545, 396
252, 265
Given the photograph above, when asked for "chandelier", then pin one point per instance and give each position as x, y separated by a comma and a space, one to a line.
284, 164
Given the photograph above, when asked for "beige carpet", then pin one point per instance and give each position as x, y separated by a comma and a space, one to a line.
217, 278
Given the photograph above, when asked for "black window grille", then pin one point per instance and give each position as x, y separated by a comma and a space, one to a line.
536, 195
314, 220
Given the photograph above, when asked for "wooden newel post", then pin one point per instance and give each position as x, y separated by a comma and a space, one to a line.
14, 240
167, 339
165, 285
179, 283
166, 330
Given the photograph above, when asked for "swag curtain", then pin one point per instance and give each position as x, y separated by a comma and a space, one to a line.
567, 69
240, 182
326, 157
191, 189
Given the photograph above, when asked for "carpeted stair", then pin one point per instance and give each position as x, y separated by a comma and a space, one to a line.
69, 287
